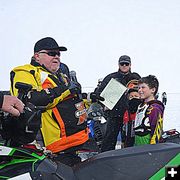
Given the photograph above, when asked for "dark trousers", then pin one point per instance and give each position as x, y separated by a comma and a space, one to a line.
130, 135
114, 125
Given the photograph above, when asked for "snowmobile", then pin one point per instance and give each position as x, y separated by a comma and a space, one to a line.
21, 162
149, 162
96, 122
171, 135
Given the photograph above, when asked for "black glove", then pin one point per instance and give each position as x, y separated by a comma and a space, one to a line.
46, 96
96, 97
74, 87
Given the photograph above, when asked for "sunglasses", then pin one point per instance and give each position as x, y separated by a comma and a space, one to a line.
52, 53
124, 63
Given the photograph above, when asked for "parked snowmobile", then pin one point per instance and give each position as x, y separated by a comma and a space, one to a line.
171, 135
96, 122
147, 162
97, 126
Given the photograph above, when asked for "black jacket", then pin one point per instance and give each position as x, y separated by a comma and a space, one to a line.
121, 105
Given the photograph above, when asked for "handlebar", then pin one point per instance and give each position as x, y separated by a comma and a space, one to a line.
23, 90
22, 129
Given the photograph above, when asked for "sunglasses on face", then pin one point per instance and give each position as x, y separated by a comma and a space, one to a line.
124, 63
52, 53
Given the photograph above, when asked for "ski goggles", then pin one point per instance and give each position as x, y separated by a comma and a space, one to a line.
52, 53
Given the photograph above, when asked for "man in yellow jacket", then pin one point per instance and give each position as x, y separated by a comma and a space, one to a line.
64, 127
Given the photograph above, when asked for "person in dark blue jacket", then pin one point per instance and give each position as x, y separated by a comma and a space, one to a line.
64, 69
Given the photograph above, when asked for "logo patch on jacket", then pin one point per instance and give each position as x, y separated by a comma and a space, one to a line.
81, 112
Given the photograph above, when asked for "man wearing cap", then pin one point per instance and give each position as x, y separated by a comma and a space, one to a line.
63, 128
115, 116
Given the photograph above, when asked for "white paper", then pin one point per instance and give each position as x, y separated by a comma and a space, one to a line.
112, 93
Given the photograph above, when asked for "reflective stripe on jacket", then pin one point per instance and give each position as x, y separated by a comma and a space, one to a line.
63, 122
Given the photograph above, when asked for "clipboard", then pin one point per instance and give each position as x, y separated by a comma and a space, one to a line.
112, 93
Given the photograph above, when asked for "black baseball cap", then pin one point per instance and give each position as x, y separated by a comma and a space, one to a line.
125, 59
48, 43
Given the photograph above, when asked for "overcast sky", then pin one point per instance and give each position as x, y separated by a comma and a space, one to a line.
96, 33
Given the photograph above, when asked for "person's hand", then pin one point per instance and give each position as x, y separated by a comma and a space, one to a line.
75, 88
96, 97
12, 105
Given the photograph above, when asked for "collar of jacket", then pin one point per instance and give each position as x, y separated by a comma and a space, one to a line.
119, 71
155, 101
36, 64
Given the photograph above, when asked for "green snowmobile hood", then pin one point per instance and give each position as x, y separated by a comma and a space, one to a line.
161, 173
18, 156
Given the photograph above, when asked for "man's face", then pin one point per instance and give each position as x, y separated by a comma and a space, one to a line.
49, 58
124, 67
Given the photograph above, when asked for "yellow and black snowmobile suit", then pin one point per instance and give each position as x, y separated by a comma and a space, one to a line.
64, 120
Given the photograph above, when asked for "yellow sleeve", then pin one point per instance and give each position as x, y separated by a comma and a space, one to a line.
24, 76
